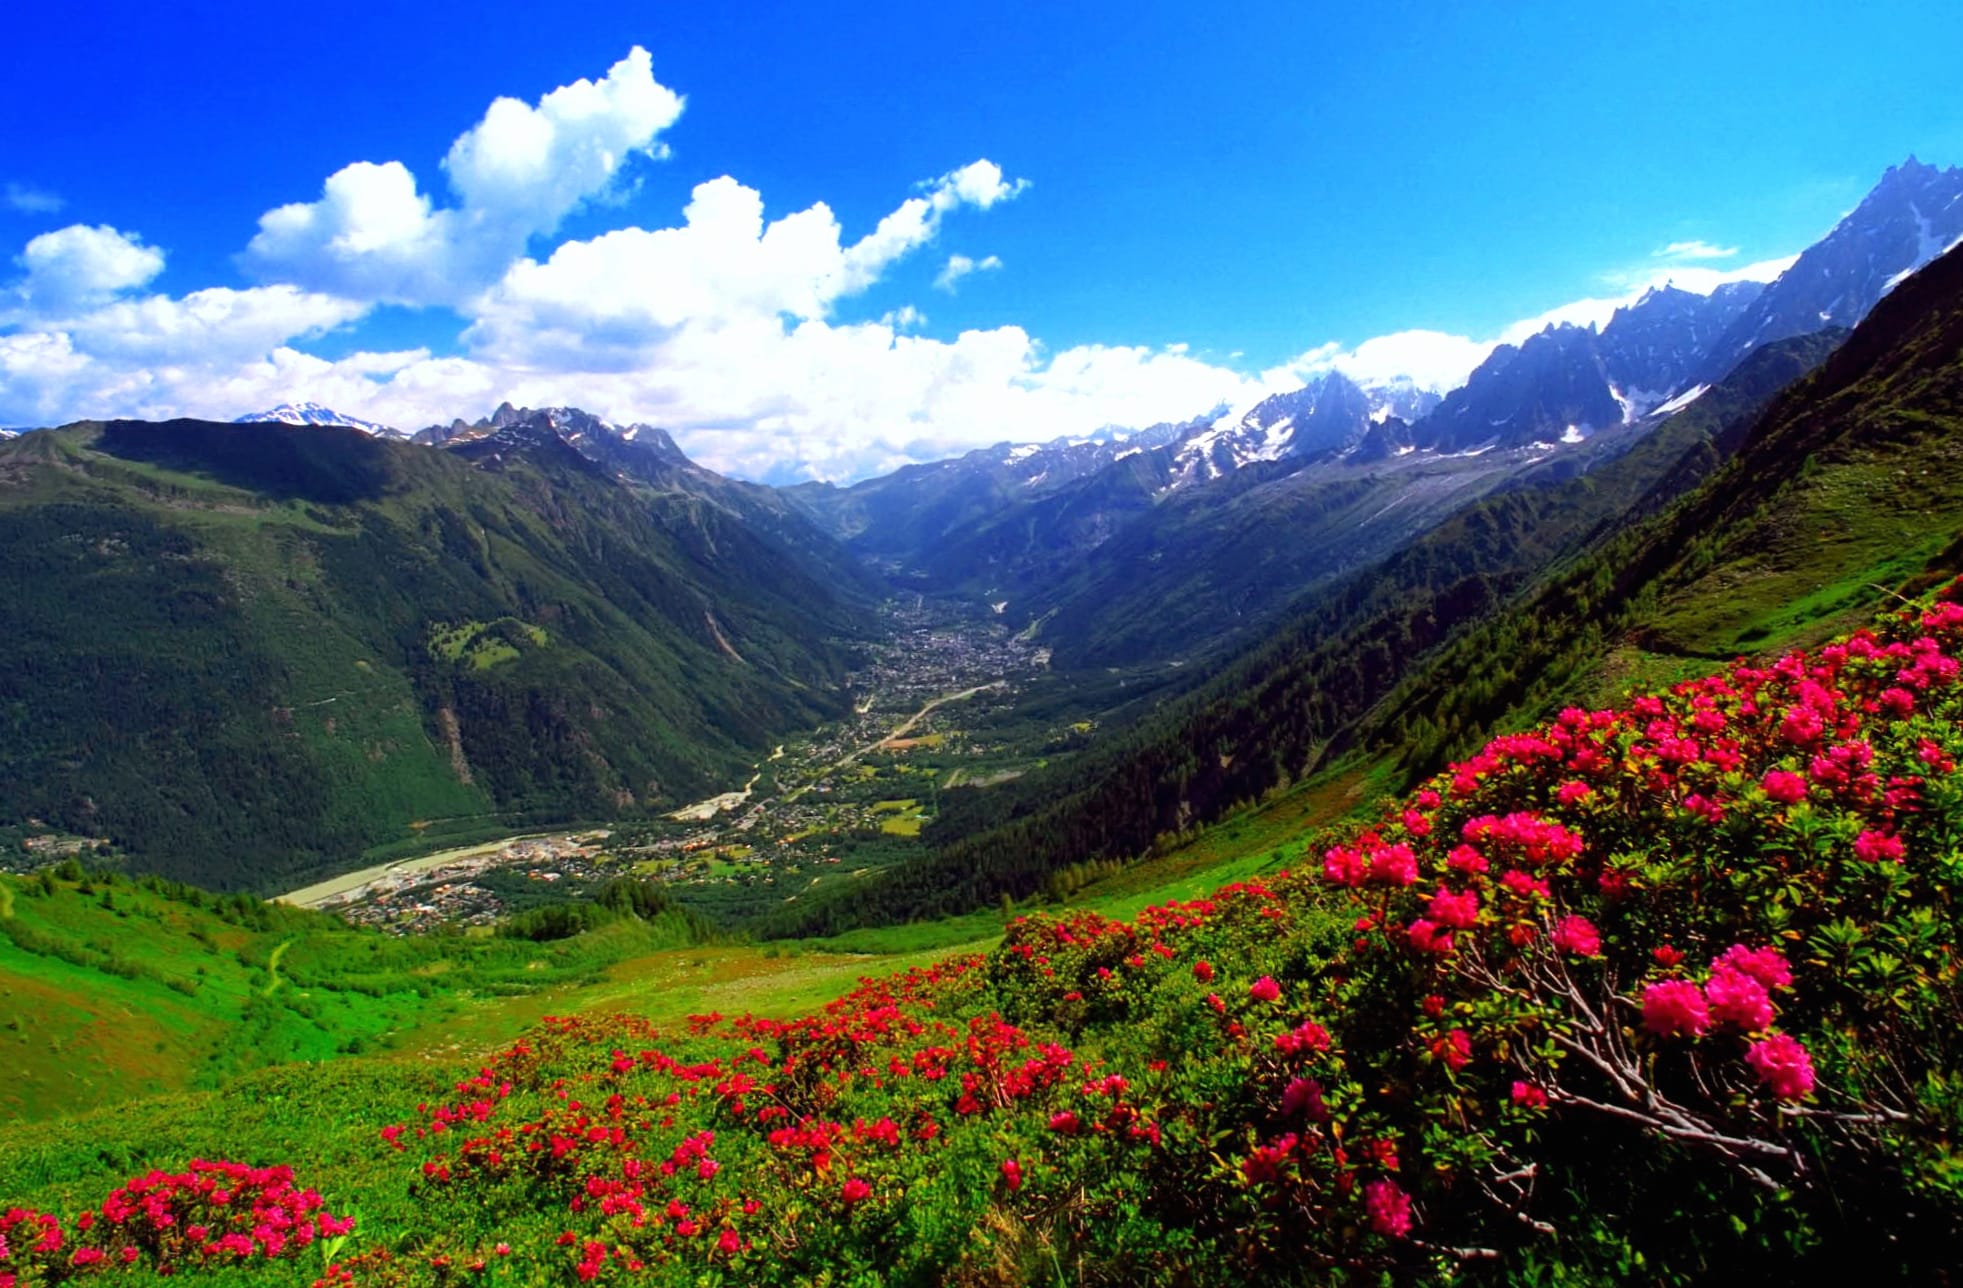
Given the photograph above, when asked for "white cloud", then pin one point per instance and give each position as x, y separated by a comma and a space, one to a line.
532, 166
518, 172
1695, 250
1693, 278
30, 200
959, 266
79, 265
1442, 361
1434, 359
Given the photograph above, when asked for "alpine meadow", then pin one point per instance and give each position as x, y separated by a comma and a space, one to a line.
814, 648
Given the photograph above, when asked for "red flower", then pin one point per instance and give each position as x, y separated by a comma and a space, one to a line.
1203, 972
1527, 1096
1264, 989
855, 1191
1454, 1050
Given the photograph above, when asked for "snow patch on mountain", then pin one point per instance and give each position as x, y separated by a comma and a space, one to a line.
313, 413
1682, 400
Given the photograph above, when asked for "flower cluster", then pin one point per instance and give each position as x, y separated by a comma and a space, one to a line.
213, 1214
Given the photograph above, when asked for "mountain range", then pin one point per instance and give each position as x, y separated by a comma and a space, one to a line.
303, 636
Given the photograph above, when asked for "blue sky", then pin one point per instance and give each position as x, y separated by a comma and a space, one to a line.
1182, 203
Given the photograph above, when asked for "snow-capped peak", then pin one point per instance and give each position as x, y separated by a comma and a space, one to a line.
313, 413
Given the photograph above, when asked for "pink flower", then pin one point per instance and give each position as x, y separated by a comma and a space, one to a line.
1578, 935
1429, 937
1573, 792
1389, 1208
1738, 999
1345, 866
1264, 989
1783, 1065
1303, 1097
1873, 847
1525, 883
1675, 1007
1766, 965
1012, 1173
1459, 911
855, 1191
1394, 865
1464, 859
1528, 1096
728, 1243
1784, 786
1064, 1122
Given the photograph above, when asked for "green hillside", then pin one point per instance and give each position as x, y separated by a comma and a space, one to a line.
247, 654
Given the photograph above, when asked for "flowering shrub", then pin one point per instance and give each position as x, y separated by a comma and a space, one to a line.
212, 1215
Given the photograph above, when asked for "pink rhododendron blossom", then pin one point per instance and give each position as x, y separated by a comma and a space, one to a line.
1674, 1008
1527, 1096
1578, 935
1877, 847
1784, 786
1264, 989
1766, 965
1458, 911
1739, 1000
1429, 937
1783, 1065
1394, 865
1389, 1208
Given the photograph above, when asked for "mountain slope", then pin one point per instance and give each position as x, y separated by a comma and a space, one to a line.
1912, 215
1851, 477
247, 653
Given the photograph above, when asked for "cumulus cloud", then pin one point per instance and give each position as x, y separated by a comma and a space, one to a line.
79, 265
517, 174
959, 266
1433, 359
530, 167
30, 200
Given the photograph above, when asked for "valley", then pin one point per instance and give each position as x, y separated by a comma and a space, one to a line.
828, 807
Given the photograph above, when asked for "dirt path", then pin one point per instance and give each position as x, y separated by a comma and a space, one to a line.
272, 964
